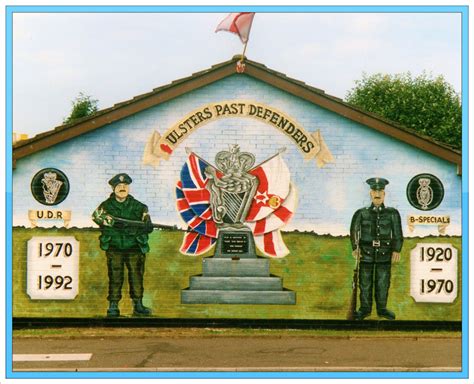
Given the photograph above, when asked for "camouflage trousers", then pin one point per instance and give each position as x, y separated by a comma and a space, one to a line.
135, 262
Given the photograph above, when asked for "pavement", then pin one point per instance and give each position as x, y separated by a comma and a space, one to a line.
249, 353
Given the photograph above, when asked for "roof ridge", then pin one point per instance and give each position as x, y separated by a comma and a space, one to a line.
221, 70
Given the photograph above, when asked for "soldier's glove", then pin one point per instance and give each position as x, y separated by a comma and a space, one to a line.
109, 221
148, 225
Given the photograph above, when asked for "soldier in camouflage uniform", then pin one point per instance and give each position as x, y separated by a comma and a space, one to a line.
376, 235
124, 243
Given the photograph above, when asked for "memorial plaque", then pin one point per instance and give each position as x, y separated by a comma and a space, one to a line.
235, 243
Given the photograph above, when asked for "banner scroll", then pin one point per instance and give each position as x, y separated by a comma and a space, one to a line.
441, 221
49, 215
311, 144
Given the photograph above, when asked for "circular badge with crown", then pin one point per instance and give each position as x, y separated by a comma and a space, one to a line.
425, 192
50, 186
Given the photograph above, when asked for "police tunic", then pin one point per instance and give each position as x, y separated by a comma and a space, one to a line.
377, 231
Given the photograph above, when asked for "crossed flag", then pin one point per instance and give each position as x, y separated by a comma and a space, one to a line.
272, 206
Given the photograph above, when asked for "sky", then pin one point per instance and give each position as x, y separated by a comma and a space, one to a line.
115, 56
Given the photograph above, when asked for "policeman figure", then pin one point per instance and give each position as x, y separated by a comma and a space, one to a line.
376, 235
124, 243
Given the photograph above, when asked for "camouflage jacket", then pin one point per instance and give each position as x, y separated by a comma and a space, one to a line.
117, 235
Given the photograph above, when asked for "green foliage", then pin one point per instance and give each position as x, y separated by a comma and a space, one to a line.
82, 106
428, 105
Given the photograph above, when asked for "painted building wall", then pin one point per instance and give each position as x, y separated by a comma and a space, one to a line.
327, 196
319, 266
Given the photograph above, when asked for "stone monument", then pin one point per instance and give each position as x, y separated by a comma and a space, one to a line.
235, 274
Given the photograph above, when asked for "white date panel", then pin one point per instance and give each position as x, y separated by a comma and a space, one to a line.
434, 273
53, 268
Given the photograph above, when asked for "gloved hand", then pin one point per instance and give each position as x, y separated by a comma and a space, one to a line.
148, 225
109, 221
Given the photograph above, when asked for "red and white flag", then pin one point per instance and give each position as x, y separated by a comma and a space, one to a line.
271, 244
238, 23
279, 218
195, 244
273, 188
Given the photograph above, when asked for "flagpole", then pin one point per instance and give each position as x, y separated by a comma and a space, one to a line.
243, 53
189, 151
280, 151
248, 34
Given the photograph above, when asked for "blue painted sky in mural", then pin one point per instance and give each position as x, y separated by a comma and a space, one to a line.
114, 57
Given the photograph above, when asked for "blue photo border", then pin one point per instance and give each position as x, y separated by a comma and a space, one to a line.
11, 10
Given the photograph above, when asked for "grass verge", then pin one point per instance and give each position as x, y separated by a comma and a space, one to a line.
223, 332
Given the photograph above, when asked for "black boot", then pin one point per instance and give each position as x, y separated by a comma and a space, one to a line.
139, 309
385, 313
113, 310
361, 314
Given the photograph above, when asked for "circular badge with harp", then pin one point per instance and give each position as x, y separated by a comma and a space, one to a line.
50, 186
425, 192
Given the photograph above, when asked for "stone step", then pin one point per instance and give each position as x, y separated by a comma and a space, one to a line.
285, 297
227, 267
236, 283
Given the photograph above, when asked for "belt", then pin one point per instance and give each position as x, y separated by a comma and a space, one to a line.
377, 243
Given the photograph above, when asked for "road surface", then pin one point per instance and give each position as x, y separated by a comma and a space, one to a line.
268, 353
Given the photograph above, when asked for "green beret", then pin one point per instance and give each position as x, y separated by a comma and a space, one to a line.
120, 178
377, 183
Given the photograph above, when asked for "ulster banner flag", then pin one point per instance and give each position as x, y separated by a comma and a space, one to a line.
279, 218
272, 244
273, 188
238, 23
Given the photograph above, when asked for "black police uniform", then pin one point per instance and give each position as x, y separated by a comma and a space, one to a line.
378, 233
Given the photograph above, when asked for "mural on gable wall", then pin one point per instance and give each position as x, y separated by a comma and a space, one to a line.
265, 197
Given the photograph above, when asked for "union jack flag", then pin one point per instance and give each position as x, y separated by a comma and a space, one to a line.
195, 244
196, 223
194, 182
267, 215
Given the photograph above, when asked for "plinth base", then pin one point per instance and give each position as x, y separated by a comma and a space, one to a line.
189, 296
244, 281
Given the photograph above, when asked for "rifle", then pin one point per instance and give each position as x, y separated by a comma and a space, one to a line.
355, 281
138, 224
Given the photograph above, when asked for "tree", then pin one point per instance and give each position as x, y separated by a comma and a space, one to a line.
428, 105
82, 106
